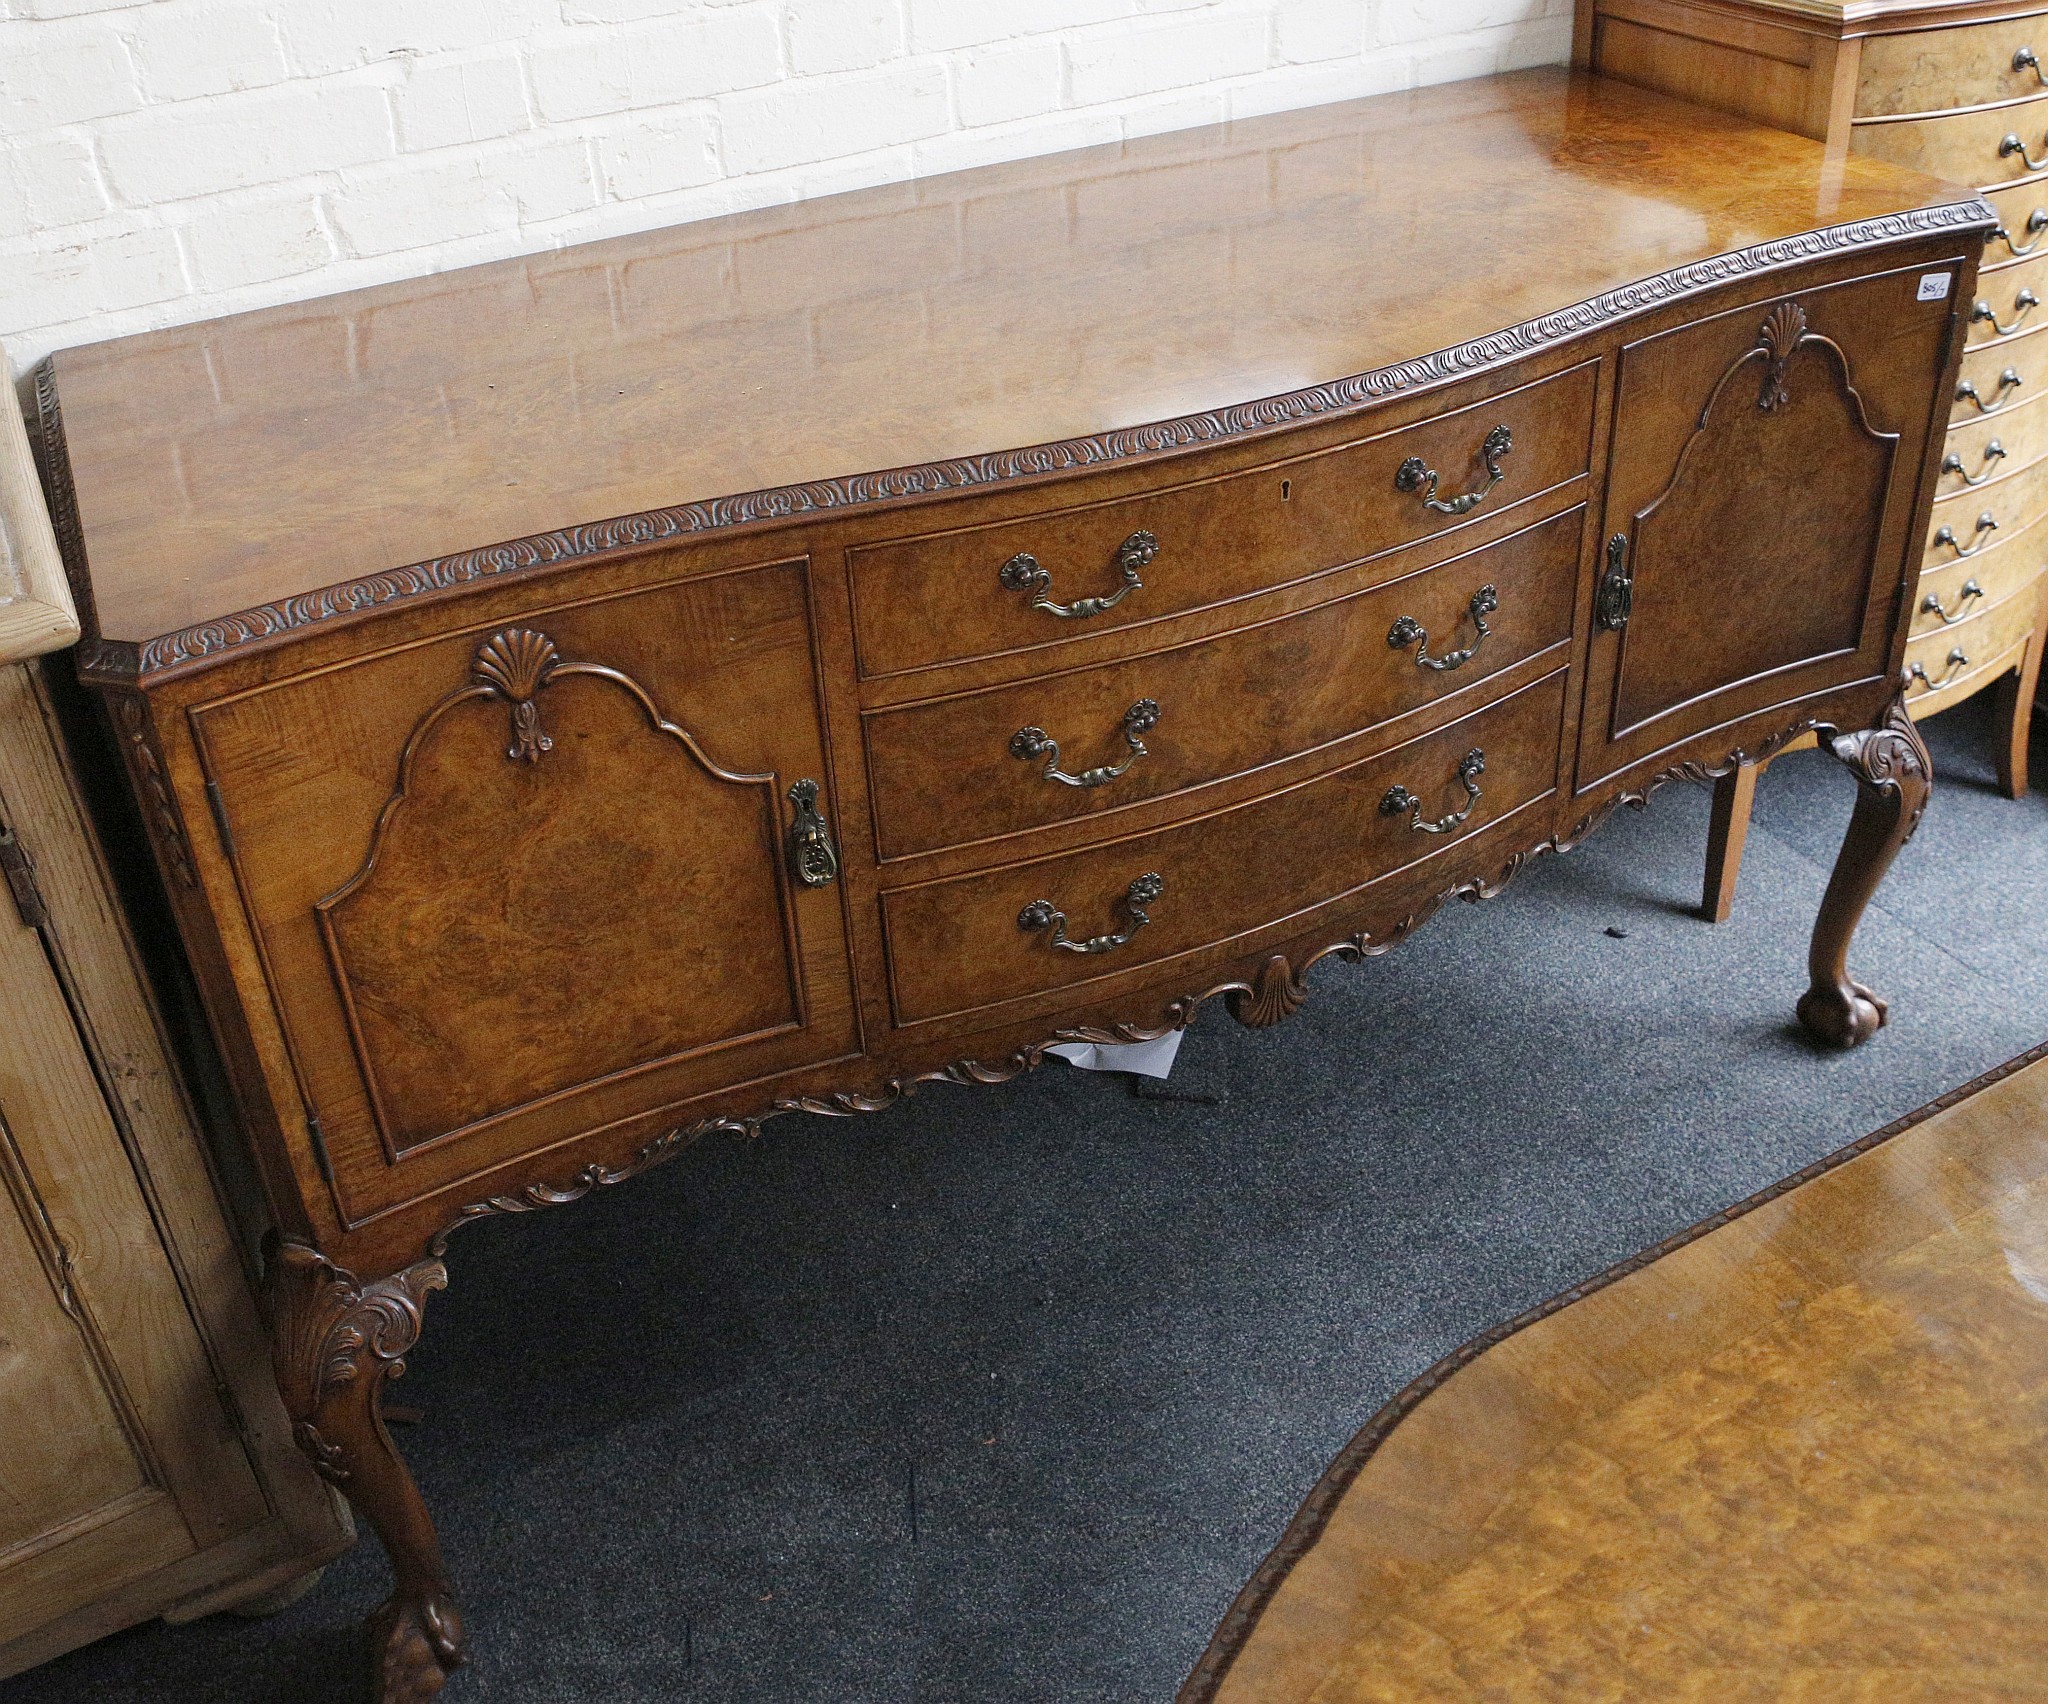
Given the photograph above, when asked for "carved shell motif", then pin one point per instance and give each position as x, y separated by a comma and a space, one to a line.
1277, 993
1780, 340
516, 664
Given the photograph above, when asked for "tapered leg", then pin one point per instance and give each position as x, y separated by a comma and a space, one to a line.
335, 1342
1727, 834
1893, 774
2016, 718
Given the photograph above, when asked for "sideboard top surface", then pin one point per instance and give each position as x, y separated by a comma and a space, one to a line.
239, 464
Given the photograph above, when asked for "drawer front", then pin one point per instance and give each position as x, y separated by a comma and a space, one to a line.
2022, 225
1998, 377
1983, 450
1983, 518
975, 942
1982, 149
1947, 665
1933, 70
950, 771
1951, 594
988, 590
2010, 300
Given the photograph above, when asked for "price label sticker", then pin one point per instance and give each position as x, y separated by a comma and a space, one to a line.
1934, 286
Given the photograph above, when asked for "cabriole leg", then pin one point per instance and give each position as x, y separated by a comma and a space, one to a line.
1893, 775
335, 1342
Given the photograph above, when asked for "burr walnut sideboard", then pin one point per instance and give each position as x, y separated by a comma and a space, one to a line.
1959, 90
589, 701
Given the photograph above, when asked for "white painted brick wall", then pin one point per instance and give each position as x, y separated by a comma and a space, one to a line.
168, 160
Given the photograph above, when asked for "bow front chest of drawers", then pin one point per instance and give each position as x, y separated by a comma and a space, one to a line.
560, 741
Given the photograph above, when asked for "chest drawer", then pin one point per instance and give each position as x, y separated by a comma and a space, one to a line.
1980, 520
1015, 585
1953, 590
951, 771
1998, 377
1971, 65
975, 942
1950, 662
2022, 232
1983, 449
2010, 300
1994, 147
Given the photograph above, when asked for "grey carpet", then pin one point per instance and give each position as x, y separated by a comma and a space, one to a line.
1001, 1395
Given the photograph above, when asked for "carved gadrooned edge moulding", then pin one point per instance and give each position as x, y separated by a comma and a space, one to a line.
1276, 992
122, 661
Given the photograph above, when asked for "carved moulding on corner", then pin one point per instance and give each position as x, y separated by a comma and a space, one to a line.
147, 763
116, 662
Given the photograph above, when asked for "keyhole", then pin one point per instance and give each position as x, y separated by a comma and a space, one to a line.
1286, 489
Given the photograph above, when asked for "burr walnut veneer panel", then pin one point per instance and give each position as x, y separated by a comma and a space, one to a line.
597, 700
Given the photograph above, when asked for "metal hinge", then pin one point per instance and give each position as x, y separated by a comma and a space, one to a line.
1616, 599
219, 807
20, 874
321, 1157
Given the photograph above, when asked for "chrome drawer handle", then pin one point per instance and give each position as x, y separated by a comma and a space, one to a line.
2013, 145
2037, 222
1407, 631
1042, 914
1958, 660
2027, 60
1470, 767
1985, 314
2009, 380
1022, 573
1953, 463
1986, 522
1415, 474
1139, 720
1970, 592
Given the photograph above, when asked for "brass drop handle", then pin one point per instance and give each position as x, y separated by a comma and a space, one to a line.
2027, 60
2009, 380
1986, 523
1470, 767
1953, 463
2022, 305
1970, 592
2013, 145
1041, 915
2037, 223
1139, 720
811, 858
1408, 631
1615, 600
1958, 660
1023, 573
1415, 474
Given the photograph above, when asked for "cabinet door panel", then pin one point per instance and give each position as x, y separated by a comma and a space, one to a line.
1764, 472
525, 879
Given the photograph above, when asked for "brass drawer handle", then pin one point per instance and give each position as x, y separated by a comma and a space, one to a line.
1958, 660
1970, 592
1022, 573
1415, 474
2013, 145
1042, 914
811, 858
1986, 523
2027, 60
2022, 305
1139, 720
1953, 463
2009, 380
2037, 223
1407, 631
1470, 767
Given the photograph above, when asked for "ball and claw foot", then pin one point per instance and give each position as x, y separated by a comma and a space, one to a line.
414, 1647
1842, 1017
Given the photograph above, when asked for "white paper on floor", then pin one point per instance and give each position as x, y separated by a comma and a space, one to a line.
1140, 1058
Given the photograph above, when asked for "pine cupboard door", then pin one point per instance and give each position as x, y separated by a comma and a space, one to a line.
524, 880
118, 1457
1765, 466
